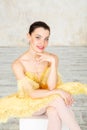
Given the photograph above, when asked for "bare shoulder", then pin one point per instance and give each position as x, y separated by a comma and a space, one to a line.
18, 69
16, 64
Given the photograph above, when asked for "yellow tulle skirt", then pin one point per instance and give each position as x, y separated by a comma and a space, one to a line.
21, 105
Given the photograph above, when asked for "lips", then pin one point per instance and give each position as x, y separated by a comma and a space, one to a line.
40, 47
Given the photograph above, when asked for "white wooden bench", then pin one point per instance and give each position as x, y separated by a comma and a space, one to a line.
36, 123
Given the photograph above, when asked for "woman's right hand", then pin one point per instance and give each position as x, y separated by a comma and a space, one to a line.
66, 96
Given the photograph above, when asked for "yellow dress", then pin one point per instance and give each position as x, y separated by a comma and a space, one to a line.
21, 105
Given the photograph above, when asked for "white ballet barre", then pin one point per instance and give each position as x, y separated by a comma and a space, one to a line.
36, 123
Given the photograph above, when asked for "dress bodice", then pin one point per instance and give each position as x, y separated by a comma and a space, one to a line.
35, 81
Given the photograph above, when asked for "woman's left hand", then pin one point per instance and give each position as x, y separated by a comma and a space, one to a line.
66, 96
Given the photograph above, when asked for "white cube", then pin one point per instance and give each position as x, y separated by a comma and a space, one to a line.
36, 123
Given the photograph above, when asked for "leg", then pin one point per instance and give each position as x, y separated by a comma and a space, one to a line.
40, 112
65, 113
54, 122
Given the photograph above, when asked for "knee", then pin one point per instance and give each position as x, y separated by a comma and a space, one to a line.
51, 111
57, 103
60, 100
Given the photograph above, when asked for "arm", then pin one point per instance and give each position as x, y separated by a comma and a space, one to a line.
53, 77
19, 73
28, 88
42, 93
68, 99
18, 70
53, 62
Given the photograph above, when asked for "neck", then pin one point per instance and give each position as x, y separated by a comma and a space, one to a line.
32, 52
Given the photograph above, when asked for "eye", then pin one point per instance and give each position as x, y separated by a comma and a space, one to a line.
37, 37
47, 39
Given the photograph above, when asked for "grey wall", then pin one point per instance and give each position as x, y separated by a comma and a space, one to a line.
67, 19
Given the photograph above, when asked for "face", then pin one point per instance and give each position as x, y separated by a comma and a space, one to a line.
39, 39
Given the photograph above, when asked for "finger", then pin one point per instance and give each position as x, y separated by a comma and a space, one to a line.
71, 98
65, 100
41, 59
40, 54
68, 100
38, 58
71, 101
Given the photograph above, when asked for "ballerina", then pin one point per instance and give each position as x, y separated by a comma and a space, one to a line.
40, 87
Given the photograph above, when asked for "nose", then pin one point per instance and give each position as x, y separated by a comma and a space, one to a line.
42, 42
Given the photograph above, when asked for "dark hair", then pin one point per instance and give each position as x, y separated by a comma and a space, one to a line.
38, 24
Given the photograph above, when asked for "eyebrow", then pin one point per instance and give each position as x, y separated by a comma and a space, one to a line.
41, 36
38, 34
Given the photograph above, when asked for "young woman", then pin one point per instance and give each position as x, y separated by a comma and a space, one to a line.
40, 88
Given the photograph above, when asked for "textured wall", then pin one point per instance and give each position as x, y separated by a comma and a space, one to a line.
67, 19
